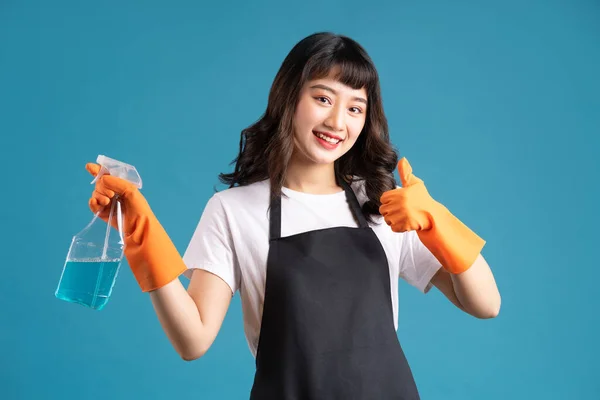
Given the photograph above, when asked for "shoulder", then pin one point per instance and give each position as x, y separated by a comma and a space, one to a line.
240, 201
243, 195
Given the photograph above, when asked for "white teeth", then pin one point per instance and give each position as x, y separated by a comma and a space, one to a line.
327, 138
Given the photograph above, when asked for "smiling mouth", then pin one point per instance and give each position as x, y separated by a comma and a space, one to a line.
327, 138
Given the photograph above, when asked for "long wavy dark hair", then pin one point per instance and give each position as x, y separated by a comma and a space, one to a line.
267, 145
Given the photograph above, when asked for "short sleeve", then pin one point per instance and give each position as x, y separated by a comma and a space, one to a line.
211, 246
417, 264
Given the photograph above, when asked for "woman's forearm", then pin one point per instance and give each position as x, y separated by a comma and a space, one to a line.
180, 319
476, 290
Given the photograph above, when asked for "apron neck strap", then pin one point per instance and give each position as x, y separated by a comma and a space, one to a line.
275, 218
354, 204
275, 211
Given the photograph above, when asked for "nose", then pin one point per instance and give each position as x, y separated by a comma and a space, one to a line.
336, 119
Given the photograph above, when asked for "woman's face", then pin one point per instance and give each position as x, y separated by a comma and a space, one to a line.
329, 117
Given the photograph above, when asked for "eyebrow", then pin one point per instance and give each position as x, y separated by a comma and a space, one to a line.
324, 87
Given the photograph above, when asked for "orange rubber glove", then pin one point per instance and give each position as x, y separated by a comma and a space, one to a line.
412, 208
151, 254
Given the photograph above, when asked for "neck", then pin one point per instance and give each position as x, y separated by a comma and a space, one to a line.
308, 177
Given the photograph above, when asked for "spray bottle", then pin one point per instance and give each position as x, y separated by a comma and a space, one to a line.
94, 258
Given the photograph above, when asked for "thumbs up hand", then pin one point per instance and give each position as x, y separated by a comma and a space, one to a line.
406, 208
412, 208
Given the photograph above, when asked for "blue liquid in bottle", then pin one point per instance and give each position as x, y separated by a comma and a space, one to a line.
88, 282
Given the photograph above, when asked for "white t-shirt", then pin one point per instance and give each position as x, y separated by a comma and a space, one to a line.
232, 241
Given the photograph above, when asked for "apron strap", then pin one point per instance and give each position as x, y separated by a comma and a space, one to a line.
275, 218
275, 211
354, 204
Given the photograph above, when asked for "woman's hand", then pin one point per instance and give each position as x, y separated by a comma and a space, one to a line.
412, 208
151, 255
110, 188
407, 208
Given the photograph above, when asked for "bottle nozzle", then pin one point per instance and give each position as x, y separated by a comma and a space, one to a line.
118, 169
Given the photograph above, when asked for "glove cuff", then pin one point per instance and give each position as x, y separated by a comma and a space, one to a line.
454, 245
152, 256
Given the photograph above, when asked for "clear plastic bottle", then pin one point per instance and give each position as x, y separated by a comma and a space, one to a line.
94, 258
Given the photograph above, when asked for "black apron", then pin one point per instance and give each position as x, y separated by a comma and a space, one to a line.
327, 328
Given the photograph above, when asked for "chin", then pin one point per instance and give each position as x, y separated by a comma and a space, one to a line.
323, 161
318, 157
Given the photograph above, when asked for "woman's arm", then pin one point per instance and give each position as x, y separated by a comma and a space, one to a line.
191, 319
473, 291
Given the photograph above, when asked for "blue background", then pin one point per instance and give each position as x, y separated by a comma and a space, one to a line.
496, 106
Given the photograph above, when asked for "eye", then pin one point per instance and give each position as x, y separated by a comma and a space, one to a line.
355, 110
323, 99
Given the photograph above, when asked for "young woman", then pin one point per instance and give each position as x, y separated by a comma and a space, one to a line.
314, 233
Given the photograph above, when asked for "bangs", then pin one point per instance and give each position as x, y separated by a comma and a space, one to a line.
346, 64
